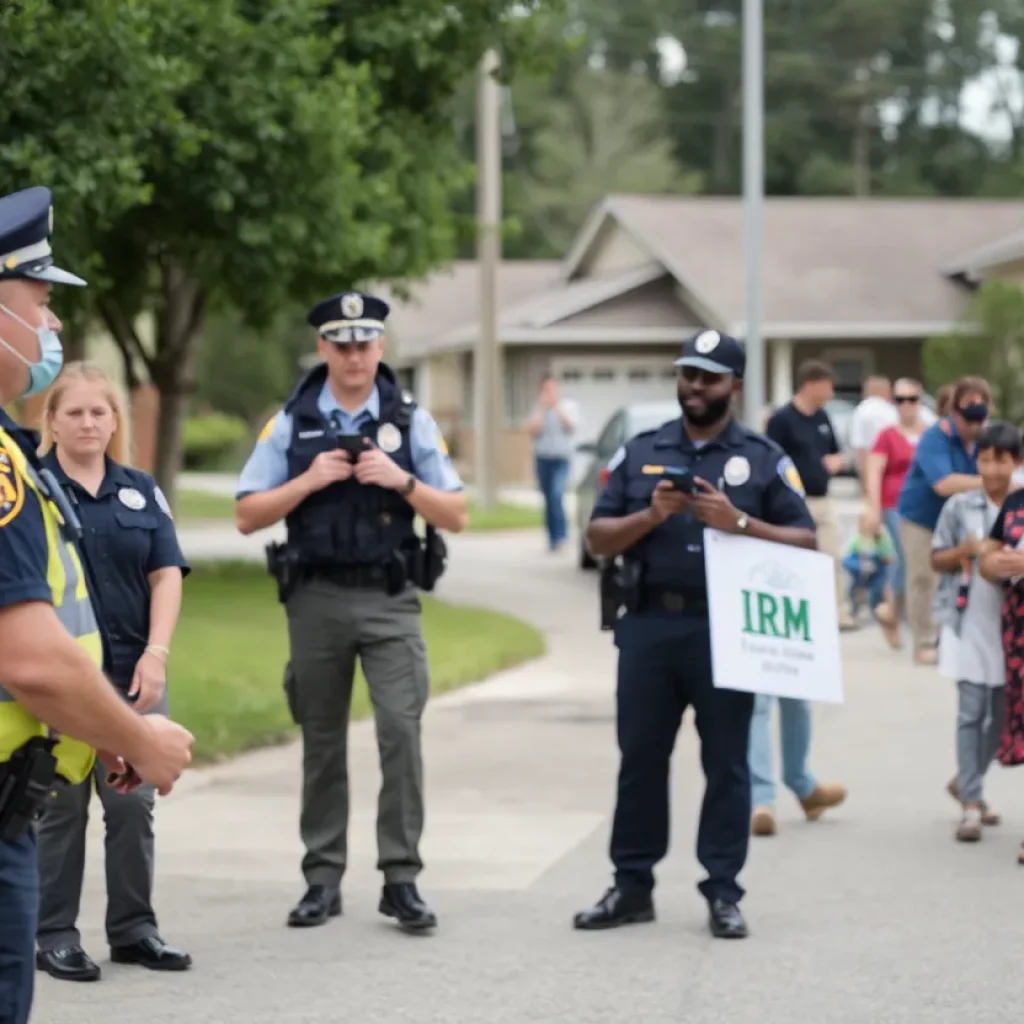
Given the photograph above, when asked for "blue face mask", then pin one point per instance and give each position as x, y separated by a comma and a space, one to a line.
44, 371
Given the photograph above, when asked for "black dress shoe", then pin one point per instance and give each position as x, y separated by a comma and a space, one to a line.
69, 963
616, 908
401, 900
726, 921
152, 952
319, 903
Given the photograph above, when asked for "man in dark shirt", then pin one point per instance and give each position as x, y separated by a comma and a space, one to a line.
804, 432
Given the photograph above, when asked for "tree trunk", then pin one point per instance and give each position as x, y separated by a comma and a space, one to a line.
180, 325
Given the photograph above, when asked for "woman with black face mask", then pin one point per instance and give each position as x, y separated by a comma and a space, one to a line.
943, 465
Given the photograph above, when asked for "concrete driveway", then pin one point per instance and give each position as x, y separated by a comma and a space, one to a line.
873, 915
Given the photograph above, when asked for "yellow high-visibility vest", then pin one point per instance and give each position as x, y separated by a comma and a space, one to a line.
70, 593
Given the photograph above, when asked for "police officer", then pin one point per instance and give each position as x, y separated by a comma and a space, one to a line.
55, 704
348, 464
742, 484
131, 547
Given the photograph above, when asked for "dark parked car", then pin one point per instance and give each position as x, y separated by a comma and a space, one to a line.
624, 424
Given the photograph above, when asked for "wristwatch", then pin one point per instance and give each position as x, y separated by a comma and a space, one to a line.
410, 486
741, 523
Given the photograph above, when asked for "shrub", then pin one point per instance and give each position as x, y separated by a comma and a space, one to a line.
207, 441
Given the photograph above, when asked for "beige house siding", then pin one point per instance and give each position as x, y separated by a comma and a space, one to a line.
616, 251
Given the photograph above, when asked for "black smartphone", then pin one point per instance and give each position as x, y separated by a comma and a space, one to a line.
680, 479
351, 443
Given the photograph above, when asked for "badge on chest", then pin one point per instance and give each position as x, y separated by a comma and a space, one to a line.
389, 438
131, 498
737, 471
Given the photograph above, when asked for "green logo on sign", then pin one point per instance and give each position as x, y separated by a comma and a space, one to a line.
773, 615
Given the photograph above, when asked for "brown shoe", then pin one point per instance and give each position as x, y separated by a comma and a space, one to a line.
763, 822
988, 816
969, 829
821, 798
926, 656
886, 616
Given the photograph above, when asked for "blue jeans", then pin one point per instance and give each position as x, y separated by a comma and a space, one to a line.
19, 903
874, 584
552, 475
897, 574
795, 737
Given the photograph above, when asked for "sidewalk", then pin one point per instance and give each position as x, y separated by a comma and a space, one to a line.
873, 915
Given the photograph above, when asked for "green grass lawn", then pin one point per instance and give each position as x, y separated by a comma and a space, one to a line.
226, 675
197, 505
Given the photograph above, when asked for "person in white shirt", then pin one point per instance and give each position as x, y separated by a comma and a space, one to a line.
875, 412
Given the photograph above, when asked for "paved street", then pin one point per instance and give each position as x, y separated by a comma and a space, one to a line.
873, 915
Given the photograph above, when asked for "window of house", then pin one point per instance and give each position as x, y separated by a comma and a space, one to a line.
603, 373
639, 373
572, 376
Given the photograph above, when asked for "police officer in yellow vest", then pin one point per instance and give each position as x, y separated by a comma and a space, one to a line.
56, 707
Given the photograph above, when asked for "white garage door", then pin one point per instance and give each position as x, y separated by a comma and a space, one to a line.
599, 385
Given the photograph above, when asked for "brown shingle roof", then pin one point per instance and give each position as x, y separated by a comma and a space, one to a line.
450, 298
827, 260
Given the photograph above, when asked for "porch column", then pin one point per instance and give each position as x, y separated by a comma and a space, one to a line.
423, 382
781, 352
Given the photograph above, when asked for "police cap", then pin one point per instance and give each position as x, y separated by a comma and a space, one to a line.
26, 222
349, 316
714, 352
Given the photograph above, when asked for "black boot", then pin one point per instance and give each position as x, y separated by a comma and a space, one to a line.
402, 901
616, 908
726, 921
319, 903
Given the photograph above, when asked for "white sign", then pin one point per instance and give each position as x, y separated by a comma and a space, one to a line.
774, 622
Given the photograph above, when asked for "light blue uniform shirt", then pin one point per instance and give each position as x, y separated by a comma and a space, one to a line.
267, 467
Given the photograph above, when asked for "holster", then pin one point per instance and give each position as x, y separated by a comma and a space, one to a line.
426, 559
281, 565
620, 589
27, 781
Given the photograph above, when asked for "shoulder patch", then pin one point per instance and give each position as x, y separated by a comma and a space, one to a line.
161, 501
442, 444
268, 429
790, 476
12, 489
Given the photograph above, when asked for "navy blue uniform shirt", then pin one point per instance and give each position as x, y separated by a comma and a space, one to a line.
24, 550
127, 533
753, 472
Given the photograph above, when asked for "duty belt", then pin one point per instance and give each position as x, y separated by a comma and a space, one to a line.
679, 602
350, 575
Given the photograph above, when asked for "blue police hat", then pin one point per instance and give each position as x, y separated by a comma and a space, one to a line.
26, 222
349, 316
714, 352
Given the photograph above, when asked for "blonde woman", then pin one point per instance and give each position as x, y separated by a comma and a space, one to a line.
137, 568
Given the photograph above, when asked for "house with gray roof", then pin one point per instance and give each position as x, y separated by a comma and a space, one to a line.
858, 283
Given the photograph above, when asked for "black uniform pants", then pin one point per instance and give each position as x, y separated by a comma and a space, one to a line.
664, 668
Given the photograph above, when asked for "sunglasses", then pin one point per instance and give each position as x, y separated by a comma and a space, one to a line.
901, 399
692, 374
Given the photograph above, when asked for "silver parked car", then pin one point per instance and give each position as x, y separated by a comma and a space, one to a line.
624, 425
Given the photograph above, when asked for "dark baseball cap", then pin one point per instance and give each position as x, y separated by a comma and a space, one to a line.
715, 352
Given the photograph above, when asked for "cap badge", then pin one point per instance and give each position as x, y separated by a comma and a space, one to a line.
131, 498
389, 438
737, 471
351, 307
707, 342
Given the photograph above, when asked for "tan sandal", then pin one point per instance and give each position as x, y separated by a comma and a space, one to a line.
988, 816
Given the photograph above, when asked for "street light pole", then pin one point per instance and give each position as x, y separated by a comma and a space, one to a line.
488, 393
753, 203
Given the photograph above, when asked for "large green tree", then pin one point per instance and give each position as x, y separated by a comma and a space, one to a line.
264, 152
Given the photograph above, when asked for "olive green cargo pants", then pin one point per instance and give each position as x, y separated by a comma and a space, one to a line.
328, 627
